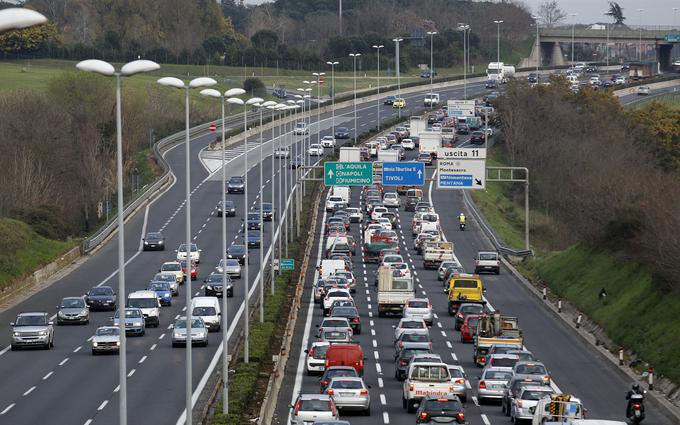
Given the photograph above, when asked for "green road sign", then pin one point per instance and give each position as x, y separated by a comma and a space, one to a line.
348, 173
672, 37
287, 264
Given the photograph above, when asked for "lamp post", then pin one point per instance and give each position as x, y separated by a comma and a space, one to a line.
498, 42
606, 50
246, 328
354, 57
261, 106
15, 18
396, 54
332, 92
377, 47
179, 84
464, 27
225, 312
572, 38
318, 76
538, 45
640, 36
273, 241
675, 17
106, 69
282, 141
431, 34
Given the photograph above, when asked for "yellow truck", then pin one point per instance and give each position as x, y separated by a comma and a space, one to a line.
496, 329
464, 288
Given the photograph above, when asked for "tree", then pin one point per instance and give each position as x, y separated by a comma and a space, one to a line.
616, 12
550, 13
28, 39
265, 39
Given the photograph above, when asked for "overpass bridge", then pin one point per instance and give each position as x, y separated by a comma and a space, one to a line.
552, 42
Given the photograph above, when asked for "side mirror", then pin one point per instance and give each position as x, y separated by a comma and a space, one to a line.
175, 250
57, 307
50, 323
306, 351
394, 326
11, 323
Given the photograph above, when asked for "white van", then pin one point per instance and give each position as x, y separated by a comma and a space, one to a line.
329, 267
148, 302
208, 309
343, 192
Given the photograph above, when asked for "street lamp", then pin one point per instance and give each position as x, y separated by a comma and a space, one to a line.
105, 68
396, 54
675, 17
273, 241
261, 107
251, 101
538, 45
15, 18
464, 27
354, 57
225, 312
606, 50
193, 84
498, 35
377, 48
640, 37
572, 38
318, 76
431, 34
332, 92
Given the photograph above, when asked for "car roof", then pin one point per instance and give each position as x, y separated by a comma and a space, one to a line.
544, 388
314, 397
142, 294
32, 313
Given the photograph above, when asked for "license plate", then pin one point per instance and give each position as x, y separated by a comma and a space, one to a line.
347, 394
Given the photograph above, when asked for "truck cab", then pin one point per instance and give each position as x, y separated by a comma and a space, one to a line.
564, 409
424, 379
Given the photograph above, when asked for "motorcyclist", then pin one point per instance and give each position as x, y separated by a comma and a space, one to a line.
635, 389
461, 219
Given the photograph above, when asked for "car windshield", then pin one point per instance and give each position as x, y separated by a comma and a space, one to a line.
472, 322
173, 267
533, 369
341, 129
236, 250
253, 216
338, 294
233, 263
464, 283
534, 394
455, 372
443, 405
182, 324
101, 291
333, 373
488, 257
131, 314
142, 302
504, 362
72, 303
108, 331
31, 320
229, 204
418, 304
204, 311
345, 312
470, 309
414, 337
429, 373
236, 180
153, 236
346, 384
183, 248
334, 323
253, 234
412, 324
164, 277
314, 406
498, 375
159, 286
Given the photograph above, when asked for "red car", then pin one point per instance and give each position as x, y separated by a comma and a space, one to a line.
194, 269
468, 329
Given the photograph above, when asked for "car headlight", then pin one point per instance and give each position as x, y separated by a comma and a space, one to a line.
42, 333
94, 343
16, 333
117, 343
146, 243
61, 313
200, 334
177, 335
136, 323
160, 242
83, 312
209, 286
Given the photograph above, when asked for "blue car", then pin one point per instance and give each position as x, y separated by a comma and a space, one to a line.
254, 238
342, 133
253, 221
163, 292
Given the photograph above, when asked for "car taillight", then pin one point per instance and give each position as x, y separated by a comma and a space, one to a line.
329, 391
482, 385
355, 320
327, 364
429, 305
461, 416
311, 352
482, 359
297, 408
459, 316
363, 392
460, 381
546, 379
424, 415
410, 387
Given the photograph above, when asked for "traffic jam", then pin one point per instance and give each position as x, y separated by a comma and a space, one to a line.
401, 331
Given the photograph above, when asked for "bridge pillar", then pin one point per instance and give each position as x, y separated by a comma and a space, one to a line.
543, 53
663, 56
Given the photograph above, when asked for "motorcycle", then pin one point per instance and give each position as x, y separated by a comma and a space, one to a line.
636, 412
462, 226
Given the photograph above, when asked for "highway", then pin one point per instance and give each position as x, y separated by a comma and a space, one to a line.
573, 365
70, 385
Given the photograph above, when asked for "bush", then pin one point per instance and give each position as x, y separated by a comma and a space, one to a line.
46, 220
254, 87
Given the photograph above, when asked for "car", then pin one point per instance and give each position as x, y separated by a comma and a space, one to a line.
443, 266
253, 221
297, 162
175, 268
403, 359
465, 310
491, 84
411, 201
162, 290
391, 199
193, 271
408, 144
643, 90
341, 133
214, 285
525, 402
438, 409
316, 357
335, 202
407, 323
355, 215
459, 380
403, 131
468, 329
300, 129
523, 355
450, 271
419, 308
462, 128
413, 338
209, 309
377, 212
233, 268
154, 241
237, 252
280, 92
328, 142
148, 303
101, 298
492, 383
330, 372
477, 138
32, 329
533, 77
532, 368
501, 360
625, 67
619, 80
315, 150
389, 100
350, 393
106, 339
282, 152
487, 261
340, 323
399, 103
165, 277
512, 390
134, 321
199, 332
351, 314
400, 269
313, 408
428, 73
195, 253
388, 260
425, 158
73, 310
236, 184
254, 238
268, 211
229, 208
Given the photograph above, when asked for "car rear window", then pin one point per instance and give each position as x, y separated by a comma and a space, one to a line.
504, 362
417, 304
456, 373
315, 405
412, 325
535, 369
334, 373
413, 337
464, 283
347, 384
488, 257
443, 405
498, 375
534, 395
430, 373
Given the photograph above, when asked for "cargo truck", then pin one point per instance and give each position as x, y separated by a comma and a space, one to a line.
495, 329
436, 252
430, 142
418, 125
350, 154
393, 291
499, 71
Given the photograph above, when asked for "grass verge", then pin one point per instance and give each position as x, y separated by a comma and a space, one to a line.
24, 250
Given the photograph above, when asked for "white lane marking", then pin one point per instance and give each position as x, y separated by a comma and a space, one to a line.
485, 419
90, 338
370, 314
372, 332
378, 368
435, 315
383, 401
370, 322
142, 360
375, 344
444, 334
467, 385
448, 344
78, 349
103, 405
132, 372
369, 307
47, 376
474, 400
161, 336
380, 383
169, 326
116, 389
376, 355
7, 409
30, 390
455, 358
439, 324
153, 347
6, 349
88, 422
386, 418
63, 361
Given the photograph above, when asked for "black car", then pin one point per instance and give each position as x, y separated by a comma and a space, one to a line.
236, 184
477, 138
237, 252
253, 221
296, 162
533, 77
402, 360
410, 204
154, 241
440, 409
254, 238
389, 100
463, 128
428, 73
351, 314
465, 310
229, 209
101, 298
625, 67
268, 211
336, 372
491, 84
342, 133
214, 285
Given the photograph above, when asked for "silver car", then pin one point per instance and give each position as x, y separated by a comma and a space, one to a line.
350, 394
199, 332
73, 310
408, 323
31, 330
443, 266
492, 383
459, 381
233, 268
171, 278
106, 340
134, 321
336, 335
419, 308
311, 408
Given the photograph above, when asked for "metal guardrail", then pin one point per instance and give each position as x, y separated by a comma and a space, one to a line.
643, 100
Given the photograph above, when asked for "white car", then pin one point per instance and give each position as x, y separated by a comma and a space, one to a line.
377, 212
436, 127
106, 339
408, 323
643, 90
489, 131
333, 202
355, 215
620, 80
316, 357
391, 199
408, 144
419, 308
195, 253
384, 222
402, 268
282, 152
390, 259
332, 295
315, 150
300, 129
328, 141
